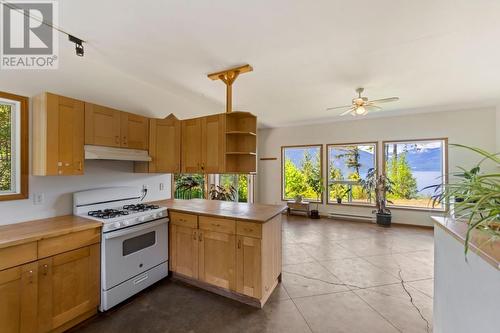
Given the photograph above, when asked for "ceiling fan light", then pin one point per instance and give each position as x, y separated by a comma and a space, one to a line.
360, 111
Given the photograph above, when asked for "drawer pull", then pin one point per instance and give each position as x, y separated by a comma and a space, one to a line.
200, 236
239, 243
30, 276
45, 269
248, 229
194, 235
216, 224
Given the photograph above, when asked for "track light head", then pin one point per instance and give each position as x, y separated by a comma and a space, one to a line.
78, 45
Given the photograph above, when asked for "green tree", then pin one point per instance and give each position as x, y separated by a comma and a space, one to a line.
242, 188
5, 147
295, 183
404, 184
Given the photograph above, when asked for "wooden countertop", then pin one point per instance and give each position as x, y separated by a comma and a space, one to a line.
479, 244
234, 210
25, 232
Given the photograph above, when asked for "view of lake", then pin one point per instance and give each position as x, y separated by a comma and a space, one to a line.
426, 178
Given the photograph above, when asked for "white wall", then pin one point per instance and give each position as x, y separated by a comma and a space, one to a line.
476, 127
466, 293
58, 190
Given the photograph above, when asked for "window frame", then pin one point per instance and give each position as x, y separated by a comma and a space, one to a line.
282, 178
359, 204
444, 208
23, 187
214, 178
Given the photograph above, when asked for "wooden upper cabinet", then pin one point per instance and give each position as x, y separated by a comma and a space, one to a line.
18, 299
165, 145
58, 135
134, 131
102, 126
191, 145
213, 143
68, 287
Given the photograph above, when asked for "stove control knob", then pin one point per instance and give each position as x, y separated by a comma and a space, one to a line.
126, 222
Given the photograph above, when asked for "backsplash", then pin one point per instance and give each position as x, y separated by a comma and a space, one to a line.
53, 195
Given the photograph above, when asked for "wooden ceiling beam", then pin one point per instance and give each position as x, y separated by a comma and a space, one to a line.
228, 76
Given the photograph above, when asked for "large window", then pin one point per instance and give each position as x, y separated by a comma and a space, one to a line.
348, 165
412, 166
301, 172
13, 147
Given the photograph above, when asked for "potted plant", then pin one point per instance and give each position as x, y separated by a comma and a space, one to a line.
318, 188
222, 193
339, 191
380, 185
478, 194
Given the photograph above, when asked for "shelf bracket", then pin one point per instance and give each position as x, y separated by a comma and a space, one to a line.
228, 76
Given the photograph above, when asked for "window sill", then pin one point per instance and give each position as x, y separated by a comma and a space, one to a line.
351, 204
421, 209
17, 196
305, 200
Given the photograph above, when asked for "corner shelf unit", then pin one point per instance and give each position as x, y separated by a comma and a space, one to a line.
241, 142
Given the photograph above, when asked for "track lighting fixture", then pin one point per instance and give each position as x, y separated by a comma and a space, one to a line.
78, 45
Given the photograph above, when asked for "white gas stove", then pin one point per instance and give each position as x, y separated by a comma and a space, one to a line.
134, 246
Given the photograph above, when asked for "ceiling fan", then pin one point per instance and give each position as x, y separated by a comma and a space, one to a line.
361, 105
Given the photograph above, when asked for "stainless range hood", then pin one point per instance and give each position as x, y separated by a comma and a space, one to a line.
112, 153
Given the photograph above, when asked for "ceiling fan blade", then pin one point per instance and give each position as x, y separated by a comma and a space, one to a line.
385, 100
347, 112
340, 107
372, 106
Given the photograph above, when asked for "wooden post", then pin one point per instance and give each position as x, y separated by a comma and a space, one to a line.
228, 77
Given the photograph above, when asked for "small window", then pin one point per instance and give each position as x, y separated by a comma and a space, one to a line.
189, 186
348, 165
13, 147
412, 166
301, 172
242, 184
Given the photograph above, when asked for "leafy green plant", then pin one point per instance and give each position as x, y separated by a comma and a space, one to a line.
478, 194
222, 193
317, 186
189, 186
338, 190
381, 186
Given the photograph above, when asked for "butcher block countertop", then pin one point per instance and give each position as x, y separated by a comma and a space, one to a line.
233, 210
25, 232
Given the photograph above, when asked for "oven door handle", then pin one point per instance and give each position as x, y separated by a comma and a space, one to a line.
144, 226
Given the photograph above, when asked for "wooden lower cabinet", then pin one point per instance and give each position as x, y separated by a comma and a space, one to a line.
217, 256
68, 286
18, 299
248, 269
184, 250
237, 259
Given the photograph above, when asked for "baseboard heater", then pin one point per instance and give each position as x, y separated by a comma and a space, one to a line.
344, 216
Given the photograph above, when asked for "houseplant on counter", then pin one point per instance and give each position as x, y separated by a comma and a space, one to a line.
222, 193
478, 194
380, 185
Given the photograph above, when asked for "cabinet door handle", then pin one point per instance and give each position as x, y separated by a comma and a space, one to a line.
117, 139
45, 269
239, 243
216, 224
194, 235
79, 166
124, 140
200, 236
30, 273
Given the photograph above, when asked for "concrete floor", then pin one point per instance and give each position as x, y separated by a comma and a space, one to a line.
338, 276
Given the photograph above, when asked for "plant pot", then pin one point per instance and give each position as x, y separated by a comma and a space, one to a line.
339, 200
314, 214
384, 219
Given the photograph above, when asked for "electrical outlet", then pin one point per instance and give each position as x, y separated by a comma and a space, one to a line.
162, 187
38, 198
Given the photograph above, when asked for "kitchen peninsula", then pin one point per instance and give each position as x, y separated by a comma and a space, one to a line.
233, 249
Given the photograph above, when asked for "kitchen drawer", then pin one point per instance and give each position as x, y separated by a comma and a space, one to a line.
55, 245
249, 229
184, 220
17, 255
217, 224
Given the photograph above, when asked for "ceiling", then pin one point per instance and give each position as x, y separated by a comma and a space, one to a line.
152, 57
